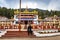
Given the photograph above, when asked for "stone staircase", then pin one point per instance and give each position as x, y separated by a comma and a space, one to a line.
46, 33
22, 34
2, 32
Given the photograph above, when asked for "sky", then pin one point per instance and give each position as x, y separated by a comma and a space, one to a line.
41, 4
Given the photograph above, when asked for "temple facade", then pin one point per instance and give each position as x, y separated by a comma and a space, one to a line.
26, 17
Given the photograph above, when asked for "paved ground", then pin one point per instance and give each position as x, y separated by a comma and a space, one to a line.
21, 34
44, 38
24, 36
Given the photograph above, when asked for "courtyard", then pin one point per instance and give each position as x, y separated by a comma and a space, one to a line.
42, 38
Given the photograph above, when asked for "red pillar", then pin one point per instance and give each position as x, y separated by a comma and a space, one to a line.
2, 27
42, 27
54, 27
50, 27
19, 27
46, 27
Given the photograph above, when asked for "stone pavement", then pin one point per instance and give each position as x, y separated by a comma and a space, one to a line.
21, 34
24, 36
42, 38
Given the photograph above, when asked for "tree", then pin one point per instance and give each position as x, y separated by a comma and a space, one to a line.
6, 12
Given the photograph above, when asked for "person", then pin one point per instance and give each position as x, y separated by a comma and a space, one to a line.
29, 30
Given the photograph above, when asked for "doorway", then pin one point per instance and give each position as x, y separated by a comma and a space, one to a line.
26, 22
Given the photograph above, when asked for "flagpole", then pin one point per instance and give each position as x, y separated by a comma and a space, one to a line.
20, 6
20, 15
20, 11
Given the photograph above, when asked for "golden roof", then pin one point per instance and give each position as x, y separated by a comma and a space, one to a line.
26, 12
16, 12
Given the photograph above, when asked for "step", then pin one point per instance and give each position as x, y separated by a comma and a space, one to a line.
17, 34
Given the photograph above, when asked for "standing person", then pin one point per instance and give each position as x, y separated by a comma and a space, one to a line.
29, 30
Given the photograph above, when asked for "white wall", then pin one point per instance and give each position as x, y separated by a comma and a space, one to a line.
36, 19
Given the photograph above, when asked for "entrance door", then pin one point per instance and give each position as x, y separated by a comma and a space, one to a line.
26, 22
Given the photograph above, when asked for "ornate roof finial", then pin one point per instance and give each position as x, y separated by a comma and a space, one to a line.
26, 10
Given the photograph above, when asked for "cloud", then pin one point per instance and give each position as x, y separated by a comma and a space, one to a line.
14, 5
54, 5
42, 5
9, 4
17, 6
29, 4
3, 3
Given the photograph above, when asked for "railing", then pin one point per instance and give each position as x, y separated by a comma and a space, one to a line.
43, 33
2, 32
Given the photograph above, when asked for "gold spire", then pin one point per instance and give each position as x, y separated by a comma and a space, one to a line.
26, 10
